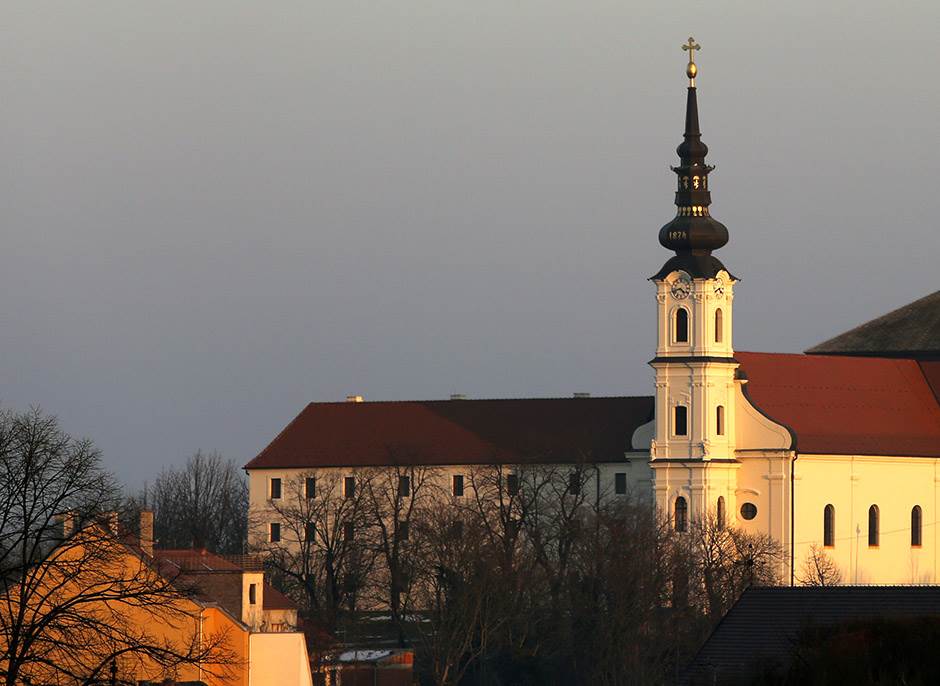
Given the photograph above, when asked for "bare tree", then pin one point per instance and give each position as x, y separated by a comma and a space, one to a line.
202, 504
325, 556
819, 569
724, 560
396, 496
456, 592
75, 599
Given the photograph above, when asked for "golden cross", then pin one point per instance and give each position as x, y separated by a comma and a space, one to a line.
691, 70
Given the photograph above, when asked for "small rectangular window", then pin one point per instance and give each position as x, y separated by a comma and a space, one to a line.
402, 531
620, 483
275, 532
512, 484
681, 424
349, 531
310, 489
720, 420
252, 594
404, 486
574, 483
275, 489
310, 532
349, 487
458, 485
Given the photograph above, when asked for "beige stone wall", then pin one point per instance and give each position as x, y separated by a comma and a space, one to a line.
635, 467
852, 484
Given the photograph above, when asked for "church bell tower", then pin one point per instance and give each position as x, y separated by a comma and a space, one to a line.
692, 452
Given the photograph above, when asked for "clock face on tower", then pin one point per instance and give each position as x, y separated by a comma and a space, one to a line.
681, 287
719, 287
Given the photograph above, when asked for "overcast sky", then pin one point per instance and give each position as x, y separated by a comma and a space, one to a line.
216, 212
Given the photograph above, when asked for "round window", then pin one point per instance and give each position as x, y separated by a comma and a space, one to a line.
749, 510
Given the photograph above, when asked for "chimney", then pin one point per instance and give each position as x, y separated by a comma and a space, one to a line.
457, 396
580, 394
146, 532
353, 398
67, 522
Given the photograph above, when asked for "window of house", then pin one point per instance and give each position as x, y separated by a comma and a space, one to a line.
681, 420
681, 518
574, 483
719, 324
873, 534
310, 487
275, 489
310, 532
404, 486
620, 483
829, 526
349, 487
402, 531
275, 532
682, 325
917, 521
720, 420
748, 511
349, 531
720, 513
457, 485
512, 484
252, 594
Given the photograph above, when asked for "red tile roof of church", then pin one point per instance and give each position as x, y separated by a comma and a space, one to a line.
848, 405
834, 404
440, 432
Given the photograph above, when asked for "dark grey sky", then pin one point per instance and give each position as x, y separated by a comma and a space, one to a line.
215, 212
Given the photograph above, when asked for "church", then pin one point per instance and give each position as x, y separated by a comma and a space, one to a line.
837, 449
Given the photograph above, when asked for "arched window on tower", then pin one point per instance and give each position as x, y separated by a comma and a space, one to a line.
720, 420
829, 526
719, 325
873, 520
682, 325
917, 522
681, 515
720, 513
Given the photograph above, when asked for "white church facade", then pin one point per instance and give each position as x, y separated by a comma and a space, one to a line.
838, 448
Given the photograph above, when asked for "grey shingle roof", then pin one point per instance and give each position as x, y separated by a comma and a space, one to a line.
909, 331
764, 623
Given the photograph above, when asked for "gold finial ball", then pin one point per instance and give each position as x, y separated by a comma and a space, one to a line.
691, 70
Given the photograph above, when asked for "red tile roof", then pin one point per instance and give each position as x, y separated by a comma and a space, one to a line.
193, 560
275, 600
848, 405
457, 432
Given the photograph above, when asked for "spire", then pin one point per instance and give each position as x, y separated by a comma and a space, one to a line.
693, 234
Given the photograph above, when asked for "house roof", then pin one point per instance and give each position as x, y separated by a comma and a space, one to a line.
909, 331
848, 405
275, 600
764, 623
440, 432
192, 560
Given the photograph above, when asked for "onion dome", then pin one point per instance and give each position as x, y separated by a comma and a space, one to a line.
693, 233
